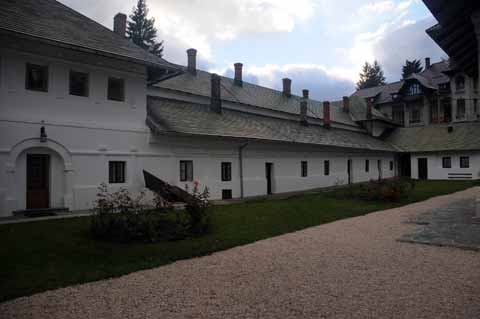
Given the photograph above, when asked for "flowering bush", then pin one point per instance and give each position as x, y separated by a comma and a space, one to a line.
197, 210
389, 190
121, 217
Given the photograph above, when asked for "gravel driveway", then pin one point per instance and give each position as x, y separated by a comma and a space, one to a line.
352, 268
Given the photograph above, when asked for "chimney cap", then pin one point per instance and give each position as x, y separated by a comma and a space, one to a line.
191, 51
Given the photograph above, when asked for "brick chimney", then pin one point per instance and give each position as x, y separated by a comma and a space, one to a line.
192, 61
215, 100
346, 104
369, 109
326, 114
238, 74
427, 63
305, 94
287, 87
120, 24
304, 108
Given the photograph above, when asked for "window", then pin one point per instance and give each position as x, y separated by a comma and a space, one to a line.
444, 87
446, 110
116, 89
116, 172
460, 109
398, 115
226, 171
416, 114
186, 171
446, 162
475, 84
476, 111
36, 78
226, 194
464, 162
391, 165
326, 168
414, 89
78, 83
460, 83
367, 165
304, 168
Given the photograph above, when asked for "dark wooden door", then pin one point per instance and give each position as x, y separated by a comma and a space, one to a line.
268, 175
38, 181
422, 168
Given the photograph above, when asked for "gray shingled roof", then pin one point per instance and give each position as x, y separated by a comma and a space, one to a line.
53, 21
358, 111
464, 136
254, 95
430, 78
177, 117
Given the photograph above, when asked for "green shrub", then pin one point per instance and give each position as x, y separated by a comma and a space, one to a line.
120, 217
388, 190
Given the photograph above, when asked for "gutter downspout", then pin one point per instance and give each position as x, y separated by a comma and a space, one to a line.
240, 161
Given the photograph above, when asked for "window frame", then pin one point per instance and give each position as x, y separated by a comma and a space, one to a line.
87, 83
446, 162
226, 171
461, 115
460, 83
462, 159
116, 175
45, 71
109, 96
326, 167
186, 169
303, 168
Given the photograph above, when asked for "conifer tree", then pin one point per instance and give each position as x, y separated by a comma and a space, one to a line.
411, 67
372, 75
141, 30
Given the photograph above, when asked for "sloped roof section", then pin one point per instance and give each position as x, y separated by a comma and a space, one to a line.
253, 95
463, 136
53, 21
358, 111
177, 117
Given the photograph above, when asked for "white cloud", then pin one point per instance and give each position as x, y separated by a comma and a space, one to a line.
198, 23
323, 83
376, 8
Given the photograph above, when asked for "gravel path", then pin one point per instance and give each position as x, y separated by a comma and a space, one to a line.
352, 268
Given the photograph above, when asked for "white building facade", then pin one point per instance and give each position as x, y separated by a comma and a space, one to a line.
79, 111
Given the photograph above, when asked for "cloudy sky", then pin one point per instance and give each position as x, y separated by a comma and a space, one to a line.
320, 44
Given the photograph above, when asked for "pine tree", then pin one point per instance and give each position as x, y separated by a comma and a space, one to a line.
141, 30
411, 67
371, 76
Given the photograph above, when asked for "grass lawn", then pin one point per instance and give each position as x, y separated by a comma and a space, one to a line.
44, 255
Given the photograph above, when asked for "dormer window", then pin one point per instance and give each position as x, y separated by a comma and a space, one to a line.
414, 89
460, 83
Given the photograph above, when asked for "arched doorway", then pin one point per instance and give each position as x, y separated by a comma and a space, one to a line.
40, 176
